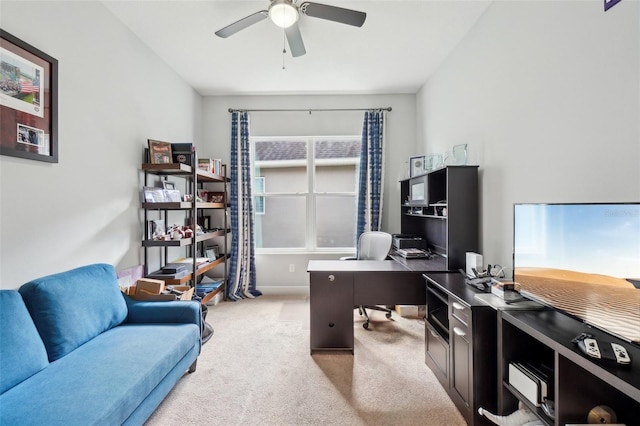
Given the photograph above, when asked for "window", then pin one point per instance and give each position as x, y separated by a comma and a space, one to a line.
305, 192
258, 187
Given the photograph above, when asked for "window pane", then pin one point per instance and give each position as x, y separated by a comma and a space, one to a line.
336, 162
336, 221
284, 223
283, 164
257, 190
284, 178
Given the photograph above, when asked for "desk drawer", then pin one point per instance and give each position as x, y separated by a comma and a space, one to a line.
437, 354
460, 311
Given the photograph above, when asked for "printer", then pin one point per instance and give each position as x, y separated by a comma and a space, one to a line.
403, 241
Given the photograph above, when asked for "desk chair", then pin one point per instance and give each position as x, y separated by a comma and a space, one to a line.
372, 245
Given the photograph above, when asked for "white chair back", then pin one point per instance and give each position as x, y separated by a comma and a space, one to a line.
374, 245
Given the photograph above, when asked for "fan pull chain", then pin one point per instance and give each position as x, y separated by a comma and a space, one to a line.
284, 47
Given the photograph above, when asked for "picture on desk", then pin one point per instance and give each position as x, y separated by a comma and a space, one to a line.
582, 260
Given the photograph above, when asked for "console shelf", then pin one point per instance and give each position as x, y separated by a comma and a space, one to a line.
580, 384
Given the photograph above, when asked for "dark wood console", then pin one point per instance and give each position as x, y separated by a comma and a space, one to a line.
460, 344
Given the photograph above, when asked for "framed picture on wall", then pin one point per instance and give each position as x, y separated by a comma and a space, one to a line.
28, 101
416, 166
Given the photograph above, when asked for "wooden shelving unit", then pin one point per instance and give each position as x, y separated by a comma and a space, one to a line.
194, 178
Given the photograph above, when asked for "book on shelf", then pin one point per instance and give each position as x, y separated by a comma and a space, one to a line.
174, 268
207, 286
211, 165
217, 166
189, 260
205, 164
160, 275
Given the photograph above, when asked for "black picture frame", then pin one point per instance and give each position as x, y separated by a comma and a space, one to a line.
28, 101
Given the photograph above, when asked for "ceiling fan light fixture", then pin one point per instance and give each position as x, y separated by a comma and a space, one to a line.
283, 13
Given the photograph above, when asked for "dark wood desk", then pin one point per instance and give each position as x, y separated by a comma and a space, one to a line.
337, 286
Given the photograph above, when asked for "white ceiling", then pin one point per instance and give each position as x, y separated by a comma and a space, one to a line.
400, 44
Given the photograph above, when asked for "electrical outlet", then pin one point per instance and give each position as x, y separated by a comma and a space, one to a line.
292, 267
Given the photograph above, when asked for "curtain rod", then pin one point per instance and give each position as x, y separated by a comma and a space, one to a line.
309, 110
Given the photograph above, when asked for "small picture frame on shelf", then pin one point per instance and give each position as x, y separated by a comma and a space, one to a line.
172, 195
203, 194
153, 195
168, 185
159, 152
205, 222
210, 254
157, 229
216, 197
417, 166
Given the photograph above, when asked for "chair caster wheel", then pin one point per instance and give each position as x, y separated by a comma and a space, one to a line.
388, 315
366, 325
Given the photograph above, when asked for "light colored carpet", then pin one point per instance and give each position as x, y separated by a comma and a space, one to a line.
257, 370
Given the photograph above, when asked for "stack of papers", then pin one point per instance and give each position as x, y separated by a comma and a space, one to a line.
411, 252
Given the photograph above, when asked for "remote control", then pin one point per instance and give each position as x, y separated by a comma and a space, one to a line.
601, 350
590, 348
622, 357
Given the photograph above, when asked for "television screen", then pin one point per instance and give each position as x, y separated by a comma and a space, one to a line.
583, 259
592, 238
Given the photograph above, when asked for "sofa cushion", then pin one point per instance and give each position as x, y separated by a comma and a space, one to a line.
72, 307
21, 350
103, 381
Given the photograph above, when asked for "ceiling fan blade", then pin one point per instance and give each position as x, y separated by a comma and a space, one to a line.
243, 23
333, 13
295, 40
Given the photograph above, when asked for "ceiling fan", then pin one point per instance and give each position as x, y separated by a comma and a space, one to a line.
285, 14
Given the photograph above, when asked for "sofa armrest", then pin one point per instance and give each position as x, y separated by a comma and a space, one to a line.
180, 312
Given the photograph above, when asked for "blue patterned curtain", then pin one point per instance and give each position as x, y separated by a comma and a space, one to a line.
242, 269
370, 182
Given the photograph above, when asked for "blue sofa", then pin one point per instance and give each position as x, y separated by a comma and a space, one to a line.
75, 351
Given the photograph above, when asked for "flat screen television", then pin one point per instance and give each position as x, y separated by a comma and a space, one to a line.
583, 259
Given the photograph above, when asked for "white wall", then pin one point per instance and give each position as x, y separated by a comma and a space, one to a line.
273, 269
114, 93
547, 96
